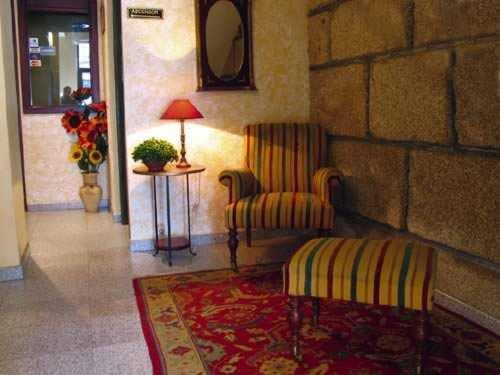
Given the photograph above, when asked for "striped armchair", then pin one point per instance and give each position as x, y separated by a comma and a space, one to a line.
285, 182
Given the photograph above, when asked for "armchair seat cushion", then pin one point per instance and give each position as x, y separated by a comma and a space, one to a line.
280, 210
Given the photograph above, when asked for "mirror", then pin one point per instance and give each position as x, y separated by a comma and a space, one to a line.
224, 40
224, 45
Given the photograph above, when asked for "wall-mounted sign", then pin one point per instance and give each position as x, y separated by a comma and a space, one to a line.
145, 13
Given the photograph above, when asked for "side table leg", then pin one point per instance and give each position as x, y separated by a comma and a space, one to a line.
169, 229
189, 216
155, 216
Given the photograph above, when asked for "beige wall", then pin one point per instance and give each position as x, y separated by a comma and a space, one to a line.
160, 65
412, 104
13, 232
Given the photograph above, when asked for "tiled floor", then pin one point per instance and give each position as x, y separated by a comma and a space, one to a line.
75, 311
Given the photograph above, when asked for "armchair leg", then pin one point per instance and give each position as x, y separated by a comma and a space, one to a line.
249, 236
232, 243
295, 323
422, 334
316, 308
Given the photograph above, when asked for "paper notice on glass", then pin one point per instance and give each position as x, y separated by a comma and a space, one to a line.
33, 42
35, 63
35, 56
34, 49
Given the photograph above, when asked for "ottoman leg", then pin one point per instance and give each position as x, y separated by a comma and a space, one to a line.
316, 307
295, 323
423, 329
232, 243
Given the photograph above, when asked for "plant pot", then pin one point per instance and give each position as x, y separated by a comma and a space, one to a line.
90, 192
155, 166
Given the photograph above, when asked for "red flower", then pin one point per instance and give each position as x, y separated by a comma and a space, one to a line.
98, 107
71, 121
87, 134
99, 124
82, 93
85, 144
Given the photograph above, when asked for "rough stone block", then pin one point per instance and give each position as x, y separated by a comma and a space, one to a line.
439, 20
469, 283
338, 99
365, 26
319, 38
478, 102
409, 98
455, 199
375, 179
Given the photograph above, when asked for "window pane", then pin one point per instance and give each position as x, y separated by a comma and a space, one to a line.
84, 55
59, 55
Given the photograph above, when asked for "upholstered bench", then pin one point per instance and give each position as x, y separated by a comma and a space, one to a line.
393, 272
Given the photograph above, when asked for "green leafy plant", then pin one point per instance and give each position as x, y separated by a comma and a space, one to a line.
155, 150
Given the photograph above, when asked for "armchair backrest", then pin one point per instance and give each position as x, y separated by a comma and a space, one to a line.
284, 157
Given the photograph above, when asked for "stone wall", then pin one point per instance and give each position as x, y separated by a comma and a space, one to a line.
409, 93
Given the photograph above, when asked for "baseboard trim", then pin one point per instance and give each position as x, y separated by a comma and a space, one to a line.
77, 205
16, 272
196, 239
471, 313
217, 238
11, 273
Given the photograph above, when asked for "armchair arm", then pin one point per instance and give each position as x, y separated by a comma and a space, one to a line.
241, 183
327, 184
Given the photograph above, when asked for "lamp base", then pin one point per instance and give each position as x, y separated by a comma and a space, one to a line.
183, 164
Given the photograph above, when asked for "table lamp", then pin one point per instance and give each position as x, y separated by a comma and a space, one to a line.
182, 109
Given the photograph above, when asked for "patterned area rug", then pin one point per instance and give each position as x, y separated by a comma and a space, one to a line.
221, 323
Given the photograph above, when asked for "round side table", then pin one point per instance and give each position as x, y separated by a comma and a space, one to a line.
170, 243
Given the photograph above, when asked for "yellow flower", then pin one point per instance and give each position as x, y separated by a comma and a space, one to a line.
95, 157
76, 154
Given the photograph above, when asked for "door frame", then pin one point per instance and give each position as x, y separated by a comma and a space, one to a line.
120, 110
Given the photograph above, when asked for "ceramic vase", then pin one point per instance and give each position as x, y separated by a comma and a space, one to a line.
90, 192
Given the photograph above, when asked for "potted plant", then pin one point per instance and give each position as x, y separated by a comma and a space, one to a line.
155, 153
88, 133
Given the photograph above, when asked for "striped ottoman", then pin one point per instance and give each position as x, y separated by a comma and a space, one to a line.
393, 272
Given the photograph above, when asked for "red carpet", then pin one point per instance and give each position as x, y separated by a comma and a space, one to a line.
221, 323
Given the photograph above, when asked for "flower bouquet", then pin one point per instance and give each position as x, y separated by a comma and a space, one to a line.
81, 94
88, 133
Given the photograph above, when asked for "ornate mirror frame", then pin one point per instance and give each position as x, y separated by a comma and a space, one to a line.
207, 80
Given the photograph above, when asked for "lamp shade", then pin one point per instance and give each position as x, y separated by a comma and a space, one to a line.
181, 109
